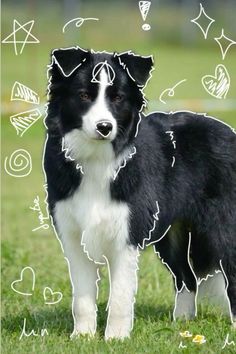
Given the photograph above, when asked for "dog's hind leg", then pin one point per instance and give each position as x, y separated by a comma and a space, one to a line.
229, 271
174, 251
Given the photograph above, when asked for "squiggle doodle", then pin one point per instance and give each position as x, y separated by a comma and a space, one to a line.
181, 345
43, 332
42, 224
223, 46
51, 297
19, 164
170, 91
132, 153
21, 92
29, 38
109, 71
79, 21
24, 120
66, 151
227, 342
13, 284
173, 143
218, 85
203, 16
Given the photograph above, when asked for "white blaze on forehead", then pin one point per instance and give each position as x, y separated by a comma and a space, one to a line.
103, 83
99, 110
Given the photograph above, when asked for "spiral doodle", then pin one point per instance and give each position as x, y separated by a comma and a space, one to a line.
19, 164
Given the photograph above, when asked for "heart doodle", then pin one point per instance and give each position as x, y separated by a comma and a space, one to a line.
51, 295
218, 85
21, 280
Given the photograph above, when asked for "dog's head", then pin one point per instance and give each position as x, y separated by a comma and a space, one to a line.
95, 98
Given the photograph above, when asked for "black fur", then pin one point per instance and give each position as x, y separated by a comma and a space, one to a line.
197, 194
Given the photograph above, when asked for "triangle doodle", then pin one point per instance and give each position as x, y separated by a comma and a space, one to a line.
24, 120
97, 70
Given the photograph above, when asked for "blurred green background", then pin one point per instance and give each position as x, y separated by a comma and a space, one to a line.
180, 52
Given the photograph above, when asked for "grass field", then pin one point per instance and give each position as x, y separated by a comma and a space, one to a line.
153, 332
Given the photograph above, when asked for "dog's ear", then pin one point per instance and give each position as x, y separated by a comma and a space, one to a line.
69, 59
138, 67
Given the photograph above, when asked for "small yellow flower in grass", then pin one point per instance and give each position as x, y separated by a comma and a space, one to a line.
186, 334
199, 339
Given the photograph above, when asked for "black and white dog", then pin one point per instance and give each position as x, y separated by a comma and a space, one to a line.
119, 180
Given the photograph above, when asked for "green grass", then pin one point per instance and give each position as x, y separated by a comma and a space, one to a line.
153, 332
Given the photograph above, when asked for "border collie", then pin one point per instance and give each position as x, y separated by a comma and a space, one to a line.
119, 180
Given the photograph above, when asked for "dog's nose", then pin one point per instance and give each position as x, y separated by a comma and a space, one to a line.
104, 128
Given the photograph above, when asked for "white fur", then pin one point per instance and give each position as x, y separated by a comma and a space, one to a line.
185, 304
212, 290
94, 230
123, 269
99, 111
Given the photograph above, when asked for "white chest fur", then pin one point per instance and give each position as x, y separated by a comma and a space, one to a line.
100, 223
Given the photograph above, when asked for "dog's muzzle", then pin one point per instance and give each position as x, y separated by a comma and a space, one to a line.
104, 128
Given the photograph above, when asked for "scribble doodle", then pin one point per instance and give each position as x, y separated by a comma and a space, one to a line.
51, 297
21, 92
24, 120
79, 22
201, 20
170, 91
26, 28
109, 71
19, 164
218, 85
181, 345
144, 7
227, 342
124, 162
67, 155
18, 282
225, 43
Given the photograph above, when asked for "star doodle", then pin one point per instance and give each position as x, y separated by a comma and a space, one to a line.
203, 16
29, 38
224, 43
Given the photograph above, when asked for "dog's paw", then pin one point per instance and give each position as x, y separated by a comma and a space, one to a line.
234, 323
118, 328
184, 306
84, 327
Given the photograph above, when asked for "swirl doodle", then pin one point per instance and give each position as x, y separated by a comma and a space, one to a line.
19, 164
79, 21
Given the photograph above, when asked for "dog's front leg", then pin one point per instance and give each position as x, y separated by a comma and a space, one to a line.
84, 276
123, 286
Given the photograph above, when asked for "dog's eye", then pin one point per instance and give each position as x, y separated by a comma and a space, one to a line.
84, 96
117, 98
